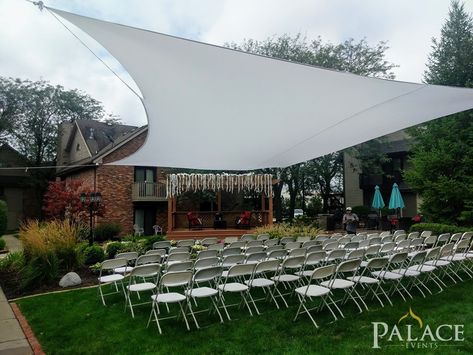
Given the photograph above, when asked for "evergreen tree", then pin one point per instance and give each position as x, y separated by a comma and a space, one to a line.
442, 157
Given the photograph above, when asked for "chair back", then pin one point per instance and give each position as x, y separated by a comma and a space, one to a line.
323, 272
208, 274
274, 247
331, 245
148, 270
148, 259
349, 266
443, 238
271, 242
426, 234
173, 279
207, 254
208, 241
309, 243
260, 256
298, 252
254, 243
267, 266
387, 248
467, 235
111, 264
231, 260
160, 252
377, 263
372, 250
356, 254
239, 244
180, 266
413, 235
400, 238
285, 240
262, 237
231, 251
129, 256
252, 250
314, 248
218, 247
292, 245
315, 258
206, 262
277, 254
163, 244
398, 258
241, 270
178, 250
375, 240
185, 243
293, 262
247, 237
302, 239
179, 257
336, 254
387, 239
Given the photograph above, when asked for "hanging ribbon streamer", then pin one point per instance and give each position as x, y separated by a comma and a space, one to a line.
176, 184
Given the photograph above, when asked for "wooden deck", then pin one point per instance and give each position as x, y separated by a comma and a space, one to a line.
178, 234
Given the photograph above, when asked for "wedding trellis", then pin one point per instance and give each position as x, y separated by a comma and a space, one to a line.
177, 184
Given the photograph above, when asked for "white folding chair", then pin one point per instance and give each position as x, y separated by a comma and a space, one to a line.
288, 274
285, 240
392, 279
231, 260
210, 276
311, 261
271, 242
263, 237
185, 243
233, 284
252, 250
169, 281
254, 243
314, 290
247, 237
130, 257
255, 258
344, 270
105, 279
177, 257
208, 241
261, 278
180, 266
277, 254
231, 251
297, 252
140, 273
148, 259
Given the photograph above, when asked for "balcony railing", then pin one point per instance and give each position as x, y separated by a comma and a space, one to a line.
148, 191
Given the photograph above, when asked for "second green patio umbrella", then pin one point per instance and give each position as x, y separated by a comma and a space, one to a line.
396, 201
378, 202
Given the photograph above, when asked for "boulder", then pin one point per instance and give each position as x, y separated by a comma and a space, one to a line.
70, 279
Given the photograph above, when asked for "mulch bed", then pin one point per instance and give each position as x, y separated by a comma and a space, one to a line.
10, 284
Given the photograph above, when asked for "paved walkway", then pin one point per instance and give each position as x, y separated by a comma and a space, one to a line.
12, 338
12, 243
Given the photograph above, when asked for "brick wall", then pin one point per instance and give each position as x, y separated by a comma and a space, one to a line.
114, 182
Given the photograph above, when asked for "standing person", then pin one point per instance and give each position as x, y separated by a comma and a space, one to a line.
350, 221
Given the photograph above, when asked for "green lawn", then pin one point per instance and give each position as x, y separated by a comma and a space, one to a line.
76, 322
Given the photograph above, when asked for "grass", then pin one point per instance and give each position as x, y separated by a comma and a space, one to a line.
76, 322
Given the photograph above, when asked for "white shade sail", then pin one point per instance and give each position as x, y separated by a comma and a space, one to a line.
215, 108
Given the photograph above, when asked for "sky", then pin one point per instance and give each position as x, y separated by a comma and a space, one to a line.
34, 45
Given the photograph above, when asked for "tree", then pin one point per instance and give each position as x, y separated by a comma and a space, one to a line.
33, 110
442, 157
352, 56
450, 61
62, 201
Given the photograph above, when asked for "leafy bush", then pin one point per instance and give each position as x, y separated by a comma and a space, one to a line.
11, 267
285, 229
438, 228
12, 262
3, 217
149, 241
93, 254
107, 231
49, 249
2, 244
113, 249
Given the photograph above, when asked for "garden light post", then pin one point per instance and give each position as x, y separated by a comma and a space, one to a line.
92, 201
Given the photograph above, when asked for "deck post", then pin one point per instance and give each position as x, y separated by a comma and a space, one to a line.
270, 209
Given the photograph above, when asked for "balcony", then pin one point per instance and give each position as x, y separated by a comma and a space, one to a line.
148, 192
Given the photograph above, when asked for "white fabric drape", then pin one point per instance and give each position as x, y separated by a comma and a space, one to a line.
211, 108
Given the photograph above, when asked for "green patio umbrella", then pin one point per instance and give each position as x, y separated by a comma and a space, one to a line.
396, 201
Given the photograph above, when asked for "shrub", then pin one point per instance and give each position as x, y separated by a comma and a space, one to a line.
48, 248
12, 262
438, 228
3, 217
93, 254
2, 244
113, 249
149, 241
285, 229
107, 231
11, 267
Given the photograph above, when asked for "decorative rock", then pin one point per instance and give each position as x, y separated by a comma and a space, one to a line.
70, 279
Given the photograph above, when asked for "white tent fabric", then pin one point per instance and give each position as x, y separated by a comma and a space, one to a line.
215, 108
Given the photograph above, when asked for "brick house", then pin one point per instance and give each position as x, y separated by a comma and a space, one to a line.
132, 195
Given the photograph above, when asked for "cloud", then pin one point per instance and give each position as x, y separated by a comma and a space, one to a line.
33, 45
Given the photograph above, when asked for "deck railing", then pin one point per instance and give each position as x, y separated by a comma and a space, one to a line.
148, 191
258, 218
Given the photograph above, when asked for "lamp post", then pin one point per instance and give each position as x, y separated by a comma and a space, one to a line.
92, 201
